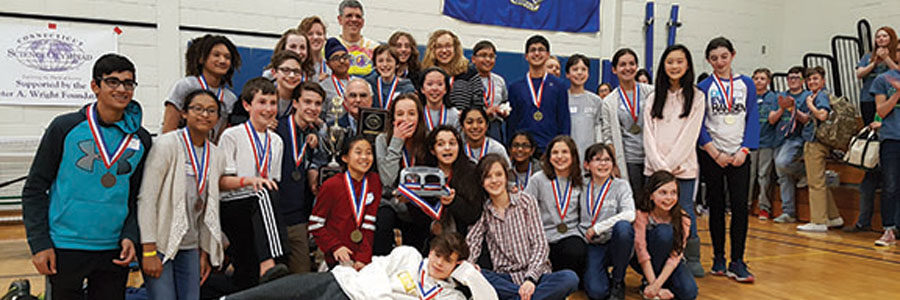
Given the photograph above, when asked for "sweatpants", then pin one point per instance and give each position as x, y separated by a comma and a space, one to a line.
297, 286
105, 280
255, 233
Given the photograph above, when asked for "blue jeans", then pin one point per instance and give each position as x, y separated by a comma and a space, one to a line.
867, 198
616, 253
789, 168
686, 189
180, 277
556, 285
659, 245
890, 196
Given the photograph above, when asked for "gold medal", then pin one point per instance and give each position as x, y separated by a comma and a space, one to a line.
108, 180
729, 119
562, 228
356, 236
634, 129
296, 175
538, 116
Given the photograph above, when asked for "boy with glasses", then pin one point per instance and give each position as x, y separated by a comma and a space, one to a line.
790, 119
338, 60
494, 87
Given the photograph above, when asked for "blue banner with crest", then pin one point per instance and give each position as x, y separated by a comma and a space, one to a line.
556, 15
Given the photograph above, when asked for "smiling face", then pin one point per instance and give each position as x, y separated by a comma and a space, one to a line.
560, 157
446, 148
520, 149
475, 126
262, 109
297, 43
316, 36
676, 64
494, 182
359, 157
603, 90
795, 81
405, 112
339, 62
761, 81
440, 267
600, 166
626, 67
815, 82
882, 39
309, 106
114, 98
578, 74
288, 74
218, 61
385, 64
351, 20
358, 95
665, 197
403, 48
444, 49
433, 87
552, 67
720, 59
197, 116
484, 59
537, 55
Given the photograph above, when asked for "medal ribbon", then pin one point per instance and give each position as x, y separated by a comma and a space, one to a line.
434, 211
536, 98
484, 146
596, 204
261, 153
633, 105
408, 161
441, 117
385, 104
562, 201
298, 157
108, 159
525, 182
489, 93
338, 87
200, 166
727, 94
357, 201
219, 94
431, 293
451, 83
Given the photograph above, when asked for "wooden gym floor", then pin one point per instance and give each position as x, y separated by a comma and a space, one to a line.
787, 265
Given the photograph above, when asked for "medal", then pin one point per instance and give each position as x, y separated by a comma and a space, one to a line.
356, 236
338, 87
730, 119
296, 175
219, 94
536, 97
634, 129
387, 103
109, 159
430, 293
562, 202
596, 204
484, 146
489, 93
261, 152
451, 83
357, 201
728, 95
633, 106
200, 164
441, 116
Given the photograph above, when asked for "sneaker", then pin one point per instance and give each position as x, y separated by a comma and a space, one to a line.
764, 215
836, 222
856, 228
813, 227
887, 239
738, 271
802, 183
617, 291
278, 271
718, 267
785, 218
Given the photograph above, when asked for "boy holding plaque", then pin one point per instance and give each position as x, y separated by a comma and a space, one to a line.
89, 164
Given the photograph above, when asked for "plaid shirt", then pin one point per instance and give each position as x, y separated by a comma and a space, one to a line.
515, 240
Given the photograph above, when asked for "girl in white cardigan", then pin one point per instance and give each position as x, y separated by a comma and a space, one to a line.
178, 205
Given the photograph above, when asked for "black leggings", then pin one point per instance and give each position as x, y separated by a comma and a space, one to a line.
736, 178
569, 253
414, 235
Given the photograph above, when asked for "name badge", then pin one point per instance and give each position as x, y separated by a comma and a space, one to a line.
134, 144
573, 109
369, 198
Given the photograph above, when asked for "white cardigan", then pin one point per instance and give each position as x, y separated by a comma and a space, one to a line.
162, 216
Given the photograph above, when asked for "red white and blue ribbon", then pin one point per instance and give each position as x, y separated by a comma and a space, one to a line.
633, 106
262, 152
408, 161
219, 94
109, 159
727, 94
200, 164
387, 103
338, 86
562, 200
430, 293
524, 182
408, 190
441, 117
357, 201
298, 157
489, 93
484, 146
536, 97
595, 204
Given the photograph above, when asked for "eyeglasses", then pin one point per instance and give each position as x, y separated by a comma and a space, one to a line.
290, 71
486, 56
605, 160
537, 49
114, 83
345, 56
521, 145
795, 77
200, 110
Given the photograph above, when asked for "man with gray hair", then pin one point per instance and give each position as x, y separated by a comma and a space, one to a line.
358, 94
350, 16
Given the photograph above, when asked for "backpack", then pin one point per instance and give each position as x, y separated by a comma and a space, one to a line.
842, 124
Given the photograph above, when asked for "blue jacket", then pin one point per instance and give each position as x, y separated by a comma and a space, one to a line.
554, 107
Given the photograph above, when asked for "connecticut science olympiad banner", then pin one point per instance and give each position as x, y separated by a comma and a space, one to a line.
50, 64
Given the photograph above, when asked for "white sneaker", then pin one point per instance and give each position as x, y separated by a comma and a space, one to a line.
802, 183
836, 222
887, 239
813, 227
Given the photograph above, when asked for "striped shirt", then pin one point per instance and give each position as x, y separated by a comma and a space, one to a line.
515, 239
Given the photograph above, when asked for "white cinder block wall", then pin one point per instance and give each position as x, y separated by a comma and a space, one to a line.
787, 29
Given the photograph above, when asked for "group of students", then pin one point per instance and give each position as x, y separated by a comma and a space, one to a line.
234, 179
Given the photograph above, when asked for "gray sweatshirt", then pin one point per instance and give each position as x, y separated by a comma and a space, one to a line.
617, 206
539, 186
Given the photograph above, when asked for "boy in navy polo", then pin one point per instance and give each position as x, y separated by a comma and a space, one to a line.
79, 201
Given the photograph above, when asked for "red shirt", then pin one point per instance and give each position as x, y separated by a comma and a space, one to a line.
333, 220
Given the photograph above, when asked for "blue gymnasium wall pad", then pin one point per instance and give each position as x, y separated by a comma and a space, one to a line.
512, 66
568, 15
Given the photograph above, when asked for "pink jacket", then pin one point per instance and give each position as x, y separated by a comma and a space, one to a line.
670, 143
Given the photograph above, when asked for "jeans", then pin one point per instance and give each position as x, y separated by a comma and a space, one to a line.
660, 242
556, 285
616, 253
867, 198
761, 172
890, 196
716, 178
789, 168
686, 193
180, 277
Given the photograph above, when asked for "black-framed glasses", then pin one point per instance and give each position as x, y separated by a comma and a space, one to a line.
114, 83
345, 56
290, 71
521, 145
200, 110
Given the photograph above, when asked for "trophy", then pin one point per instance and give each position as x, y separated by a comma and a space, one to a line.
334, 138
